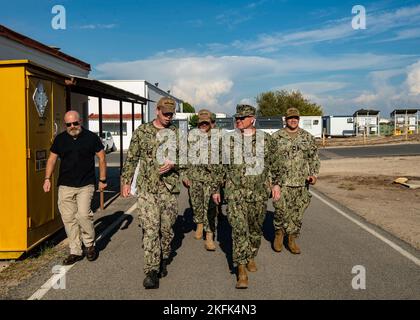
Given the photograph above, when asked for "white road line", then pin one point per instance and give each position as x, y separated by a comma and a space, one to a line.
371, 231
41, 292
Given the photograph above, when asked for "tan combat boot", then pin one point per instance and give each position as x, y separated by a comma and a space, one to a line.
209, 245
278, 241
199, 231
242, 277
294, 248
251, 266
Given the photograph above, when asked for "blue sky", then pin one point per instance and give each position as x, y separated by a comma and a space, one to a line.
216, 54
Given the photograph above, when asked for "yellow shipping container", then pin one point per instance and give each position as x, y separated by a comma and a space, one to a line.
33, 102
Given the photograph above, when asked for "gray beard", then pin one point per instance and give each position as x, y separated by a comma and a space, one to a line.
74, 133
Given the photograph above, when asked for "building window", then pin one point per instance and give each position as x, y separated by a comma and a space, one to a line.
307, 124
114, 128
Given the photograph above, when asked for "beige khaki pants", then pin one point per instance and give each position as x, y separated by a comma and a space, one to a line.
74, 205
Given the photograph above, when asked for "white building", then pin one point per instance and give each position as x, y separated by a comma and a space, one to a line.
312, 124
110, 109
405, 121
338, 126
366, 121
15, 46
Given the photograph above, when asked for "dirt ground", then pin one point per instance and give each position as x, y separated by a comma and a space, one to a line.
372, 140
365, 185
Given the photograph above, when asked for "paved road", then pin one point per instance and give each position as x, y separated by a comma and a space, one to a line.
113, 158
370, 151
334, 153
332, 245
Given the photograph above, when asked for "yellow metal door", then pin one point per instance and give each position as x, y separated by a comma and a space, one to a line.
40, 133
13, 201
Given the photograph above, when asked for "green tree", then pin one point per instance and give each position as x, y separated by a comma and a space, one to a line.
188, 108
193, 121
275, 103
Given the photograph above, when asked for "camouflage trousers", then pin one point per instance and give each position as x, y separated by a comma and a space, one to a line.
204, 209
246, 220
157, 215
288, 214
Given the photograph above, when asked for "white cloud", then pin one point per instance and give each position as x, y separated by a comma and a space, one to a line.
387, 96
413, 79
214, 82
404, 35
203, 92
384, 94
340, 29
366, 98
237, 16
202, 81
97, 26
266, 43
315, 87
254, 5
250, 101
232, 18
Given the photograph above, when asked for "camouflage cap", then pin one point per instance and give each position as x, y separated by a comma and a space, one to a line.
166, 104
204, 116
292, 112
244, 110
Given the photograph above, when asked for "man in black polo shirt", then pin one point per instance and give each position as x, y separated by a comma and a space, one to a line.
77, 148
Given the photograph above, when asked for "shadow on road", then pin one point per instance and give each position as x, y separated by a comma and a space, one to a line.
113, 181
183, 224
102, 223
224, 237
268, 227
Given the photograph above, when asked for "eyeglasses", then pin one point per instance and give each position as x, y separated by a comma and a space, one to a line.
76, 123
204, 123
241, 118
293, 117
168, 114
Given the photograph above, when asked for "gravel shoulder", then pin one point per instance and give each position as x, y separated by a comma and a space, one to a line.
365, 185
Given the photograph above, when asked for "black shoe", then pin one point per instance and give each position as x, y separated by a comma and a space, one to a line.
91, 253
72, 259
151, 281
163, 270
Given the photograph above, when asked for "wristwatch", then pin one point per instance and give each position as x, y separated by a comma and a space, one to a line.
102, 180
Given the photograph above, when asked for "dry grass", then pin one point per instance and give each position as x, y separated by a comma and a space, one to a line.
359, 141
23, 269
347, 186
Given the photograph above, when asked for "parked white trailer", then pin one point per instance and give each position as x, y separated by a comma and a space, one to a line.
338, 126
312, 124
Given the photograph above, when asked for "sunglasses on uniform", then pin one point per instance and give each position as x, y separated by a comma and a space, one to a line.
241, 118
75, 124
